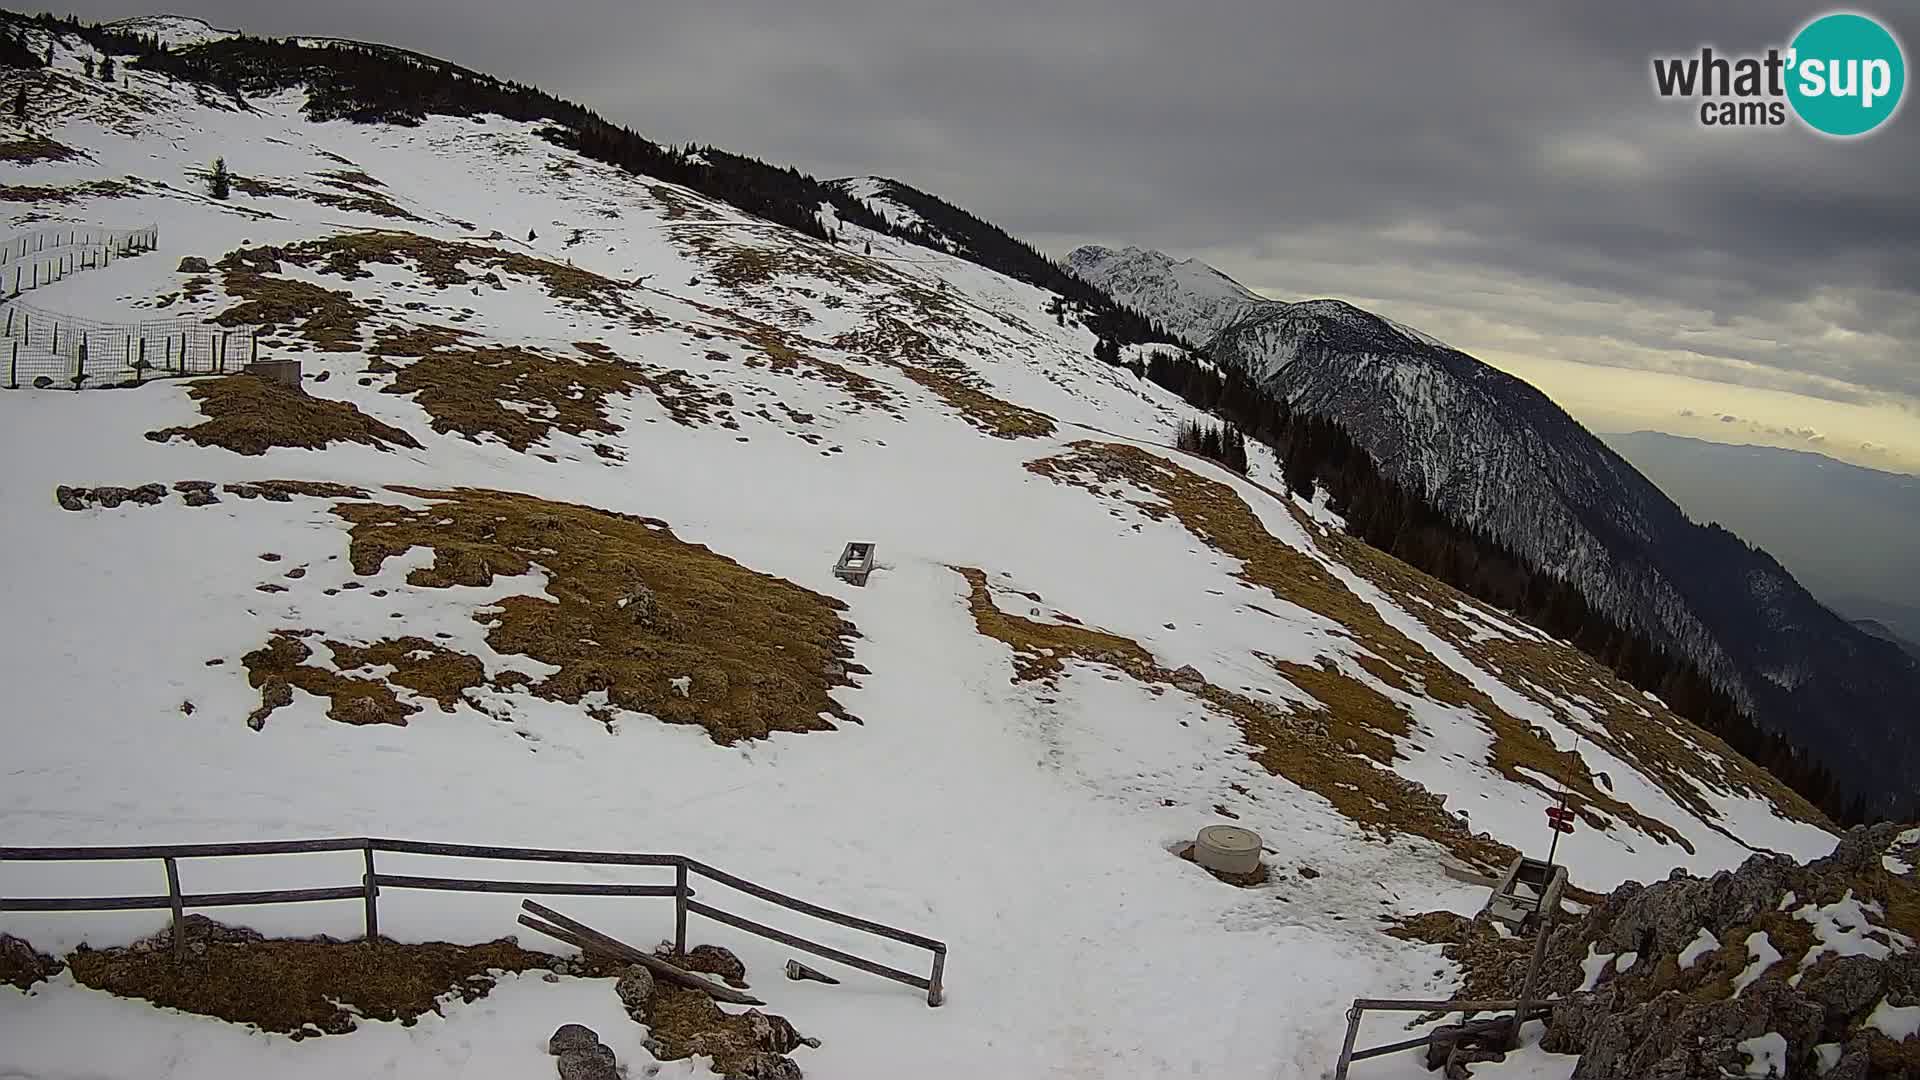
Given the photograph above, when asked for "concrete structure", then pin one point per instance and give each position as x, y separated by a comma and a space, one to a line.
856, 562
1227, 849
284, 372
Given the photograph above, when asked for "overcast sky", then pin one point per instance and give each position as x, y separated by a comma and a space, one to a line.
1498, 174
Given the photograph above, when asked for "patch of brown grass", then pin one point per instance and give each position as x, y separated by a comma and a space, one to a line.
445, 264
427, 669
682, 1023
282, 663
632, 608
1482, 955
100, 189
329, 319
31, 148
1213, 513
1370, 795
250, 415
299, 986
356, 199
904, 346
467, 388
680, 393
21, 965
1663, 746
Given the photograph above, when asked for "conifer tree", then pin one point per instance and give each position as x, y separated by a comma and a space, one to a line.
20, 104
220, 182
106, 68
89, 67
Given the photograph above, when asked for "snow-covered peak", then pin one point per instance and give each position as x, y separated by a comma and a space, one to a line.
175, 30
1186, 296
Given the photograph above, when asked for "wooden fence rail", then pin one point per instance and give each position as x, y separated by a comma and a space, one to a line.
372, 881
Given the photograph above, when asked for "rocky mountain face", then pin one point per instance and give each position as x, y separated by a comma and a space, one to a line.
1496, 455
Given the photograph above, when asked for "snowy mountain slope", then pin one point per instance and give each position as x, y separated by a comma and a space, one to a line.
1189, 297
176, 31
1496, 454
1080, 647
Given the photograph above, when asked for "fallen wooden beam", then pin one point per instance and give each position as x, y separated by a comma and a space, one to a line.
587, 938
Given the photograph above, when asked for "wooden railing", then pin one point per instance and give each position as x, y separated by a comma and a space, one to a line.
372, 881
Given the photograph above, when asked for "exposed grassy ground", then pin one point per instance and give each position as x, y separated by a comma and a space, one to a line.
92, 189
356, 198
282, 664
1371, 795
249, 415
331, 320
299, 986
913, 352
1220, 518
31, 148
1663, 746
632, 609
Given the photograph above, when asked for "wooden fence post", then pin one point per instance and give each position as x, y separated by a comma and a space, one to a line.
179, 911
254, 357
934, 994
373, 892
680, 908
13, 369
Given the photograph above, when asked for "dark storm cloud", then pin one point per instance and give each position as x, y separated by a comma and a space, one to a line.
1366, 147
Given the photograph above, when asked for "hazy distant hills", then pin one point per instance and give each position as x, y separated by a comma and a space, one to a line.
1850, 534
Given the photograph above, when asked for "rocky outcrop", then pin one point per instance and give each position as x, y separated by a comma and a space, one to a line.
1799, 962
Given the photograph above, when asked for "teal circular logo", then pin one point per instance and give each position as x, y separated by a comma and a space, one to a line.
1847, 74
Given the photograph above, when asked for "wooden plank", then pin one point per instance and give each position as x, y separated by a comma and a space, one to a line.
815, 910
480, 851
179, 910
549, 888
177, 851
621, 950
190, 900
273, 896
815, 948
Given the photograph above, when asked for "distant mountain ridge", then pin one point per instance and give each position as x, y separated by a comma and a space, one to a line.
1497, 456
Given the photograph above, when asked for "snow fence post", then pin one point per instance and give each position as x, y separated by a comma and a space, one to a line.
372, 886
253, 357
680, 907
1346, 1052
179, 911
934, 994
13, 369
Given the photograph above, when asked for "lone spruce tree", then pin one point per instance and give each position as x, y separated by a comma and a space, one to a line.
220, 182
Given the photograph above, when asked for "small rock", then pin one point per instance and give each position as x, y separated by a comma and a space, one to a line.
111, 497
594, 1063
199, 498
715, 960
635, 990
193, 485
550, 977
41, 382
765, 1066
269, 556
194, 264
71, 498
297, 572
1188, 678
149, 494
572, 1037
277, 693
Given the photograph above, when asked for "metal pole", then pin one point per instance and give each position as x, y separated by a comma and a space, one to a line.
179, 911
680, 908
373, 891
1346, 1051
